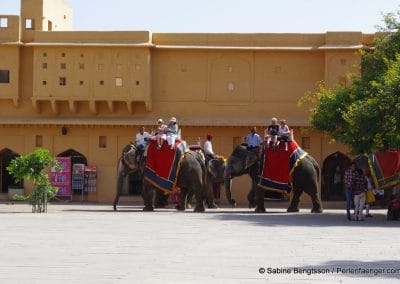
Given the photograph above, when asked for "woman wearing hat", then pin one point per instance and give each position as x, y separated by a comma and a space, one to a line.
172, 132
284, 133
161, 133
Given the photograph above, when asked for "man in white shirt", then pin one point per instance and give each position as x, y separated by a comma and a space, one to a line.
141, 138
208, 150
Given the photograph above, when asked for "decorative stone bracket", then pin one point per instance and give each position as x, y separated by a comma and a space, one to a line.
73, 105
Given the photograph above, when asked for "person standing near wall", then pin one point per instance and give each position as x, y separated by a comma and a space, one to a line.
369, 195
359, 191
349, 181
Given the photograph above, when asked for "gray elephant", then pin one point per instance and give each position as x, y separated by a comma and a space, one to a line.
215, 179
127, 164
191, 178
305, 179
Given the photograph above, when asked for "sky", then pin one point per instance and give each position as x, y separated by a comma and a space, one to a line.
225, 16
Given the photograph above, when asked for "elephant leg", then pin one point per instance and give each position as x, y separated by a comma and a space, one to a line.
199, 199
181, 206
148, 195
189, 200
259, 194
120, 182
161, 200
256, 194
251, 196
317, 205
116, 200
294, 204
210, 195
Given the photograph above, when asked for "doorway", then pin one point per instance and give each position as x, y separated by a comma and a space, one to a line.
333, 168
77, 184
6, 180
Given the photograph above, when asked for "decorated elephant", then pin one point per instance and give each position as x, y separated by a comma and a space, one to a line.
304, 179
384, 169
131, 165
190, 179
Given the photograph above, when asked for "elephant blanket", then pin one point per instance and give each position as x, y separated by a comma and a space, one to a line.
162, 166
277, 165
385, 168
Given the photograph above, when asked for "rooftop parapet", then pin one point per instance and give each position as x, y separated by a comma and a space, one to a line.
235, 39
352, 40
343, 38
92, 37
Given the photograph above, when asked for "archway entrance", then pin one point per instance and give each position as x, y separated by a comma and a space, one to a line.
333, 168
6, 180
77, 183
76, 157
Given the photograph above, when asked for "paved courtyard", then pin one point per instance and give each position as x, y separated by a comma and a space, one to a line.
85, 243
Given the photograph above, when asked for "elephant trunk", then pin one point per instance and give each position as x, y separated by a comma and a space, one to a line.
228, 185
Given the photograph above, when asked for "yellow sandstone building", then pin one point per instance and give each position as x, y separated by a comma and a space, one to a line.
86, 93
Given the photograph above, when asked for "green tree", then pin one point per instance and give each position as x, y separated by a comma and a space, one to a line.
365, 114
33, 167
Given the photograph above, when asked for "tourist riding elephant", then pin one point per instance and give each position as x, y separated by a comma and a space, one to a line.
305, 179
190, 179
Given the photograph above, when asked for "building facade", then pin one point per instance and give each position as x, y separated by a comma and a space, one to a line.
87, 92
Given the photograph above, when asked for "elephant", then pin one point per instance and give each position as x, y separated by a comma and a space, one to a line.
127, 164
132, 164
215, 178
191, 179
362, 163
305, 179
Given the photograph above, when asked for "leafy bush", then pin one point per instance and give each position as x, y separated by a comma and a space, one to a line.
33, 167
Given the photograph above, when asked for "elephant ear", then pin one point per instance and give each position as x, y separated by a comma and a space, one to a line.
249, 161
211, 167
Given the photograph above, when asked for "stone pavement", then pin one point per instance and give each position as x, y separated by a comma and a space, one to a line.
88, 243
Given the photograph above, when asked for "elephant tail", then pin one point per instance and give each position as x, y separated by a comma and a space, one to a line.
316, 167
204, 170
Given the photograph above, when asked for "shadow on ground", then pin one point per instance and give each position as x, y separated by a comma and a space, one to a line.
327, 219
273, 216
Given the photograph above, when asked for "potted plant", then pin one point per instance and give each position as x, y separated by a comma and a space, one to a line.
33, 167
